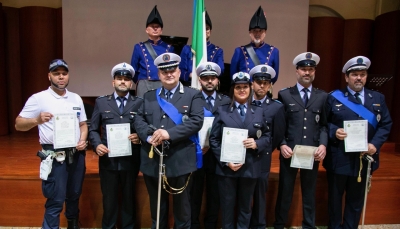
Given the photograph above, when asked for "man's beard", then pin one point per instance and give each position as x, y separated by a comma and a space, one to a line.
117, 89
57, 86
205, 88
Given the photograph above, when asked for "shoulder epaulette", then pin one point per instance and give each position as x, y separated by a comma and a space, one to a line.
102, 96
275, 100
285, 88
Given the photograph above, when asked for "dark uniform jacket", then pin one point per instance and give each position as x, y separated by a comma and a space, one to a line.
267, 54
214, 54
228, 116
143, 62
304, 125
209, 161
106, 112
337, 160
274, 114
181, 155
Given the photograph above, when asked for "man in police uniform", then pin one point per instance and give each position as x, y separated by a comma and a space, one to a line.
117, 172
145, 53
347, 171
274, 114
214, 54
64, 183
171, 116
257, 52
305, 125
208, 77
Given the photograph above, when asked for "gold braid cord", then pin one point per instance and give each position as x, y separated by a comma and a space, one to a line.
173, 190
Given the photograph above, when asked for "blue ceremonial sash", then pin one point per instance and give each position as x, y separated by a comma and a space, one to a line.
207, 113
356, 107
176, 117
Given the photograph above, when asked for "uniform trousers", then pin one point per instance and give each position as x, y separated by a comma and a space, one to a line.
144, 86
112, 183
181, 202
287, 178
260, 203
64, 184
239, 191
212, 198
354, 200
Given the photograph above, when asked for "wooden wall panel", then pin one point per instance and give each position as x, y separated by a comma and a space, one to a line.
3, 85
357, 41
38, 47
59, 34
326, 39
386, 60
13, 66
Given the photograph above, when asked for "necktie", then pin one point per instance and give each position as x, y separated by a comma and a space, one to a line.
210, 105
357, 95
257, 103
121, 105
169, 93
305, 96
242, 112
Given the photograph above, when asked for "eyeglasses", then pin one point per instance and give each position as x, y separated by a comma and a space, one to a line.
59, 73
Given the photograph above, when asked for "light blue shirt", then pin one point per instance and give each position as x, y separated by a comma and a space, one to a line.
238, 109
361, 96
172, 91
214, 95
300, 88
117, 100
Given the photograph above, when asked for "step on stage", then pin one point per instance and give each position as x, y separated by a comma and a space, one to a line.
22, 203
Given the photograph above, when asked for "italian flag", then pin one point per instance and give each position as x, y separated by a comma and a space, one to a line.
199, 44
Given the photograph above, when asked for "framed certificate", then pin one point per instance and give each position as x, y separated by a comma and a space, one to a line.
303, 157
232, 148
64, 130
118, 141
204, 133
357, 135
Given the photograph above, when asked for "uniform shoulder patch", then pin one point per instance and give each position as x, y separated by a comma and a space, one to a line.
285, 88
102, 96
275, 100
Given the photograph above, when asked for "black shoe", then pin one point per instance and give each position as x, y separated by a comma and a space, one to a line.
73, 224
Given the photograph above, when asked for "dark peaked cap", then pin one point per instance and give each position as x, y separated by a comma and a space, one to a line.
208, 20
154, 17
258, 20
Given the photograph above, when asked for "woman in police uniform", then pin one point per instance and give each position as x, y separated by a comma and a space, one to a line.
237, 181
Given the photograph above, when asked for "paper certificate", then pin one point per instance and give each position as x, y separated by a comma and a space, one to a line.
232, 148
118, 141
204, 133
64, 130
303, 157
357, 135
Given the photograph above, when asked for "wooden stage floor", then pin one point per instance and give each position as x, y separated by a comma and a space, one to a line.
22, 203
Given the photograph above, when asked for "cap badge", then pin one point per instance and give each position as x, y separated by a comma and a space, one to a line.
308, 55
360, 60
59, 62
208, 67
264, 69
240, 75
166, 58
124, 65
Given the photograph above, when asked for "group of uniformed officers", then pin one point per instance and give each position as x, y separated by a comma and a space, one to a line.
166, 116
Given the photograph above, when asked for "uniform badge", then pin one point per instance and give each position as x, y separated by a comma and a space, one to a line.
317, 118
208, 67
378, 117
346, 94
185, 118
166, 58
259, 133
360, 60
308, 56
264, 69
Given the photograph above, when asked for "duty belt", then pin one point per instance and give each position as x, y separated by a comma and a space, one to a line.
69, 152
